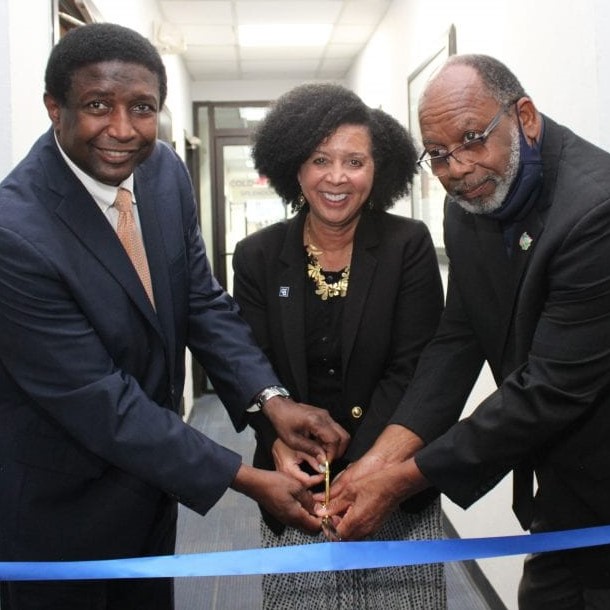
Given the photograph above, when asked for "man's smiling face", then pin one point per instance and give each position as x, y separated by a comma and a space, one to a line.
109, 122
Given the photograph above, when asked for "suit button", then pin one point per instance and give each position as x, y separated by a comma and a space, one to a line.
357, 412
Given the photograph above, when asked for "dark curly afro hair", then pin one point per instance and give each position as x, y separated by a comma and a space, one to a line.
310, 113
96, 43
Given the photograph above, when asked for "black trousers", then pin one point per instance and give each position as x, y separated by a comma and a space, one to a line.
128, 594
551, 582
119, 594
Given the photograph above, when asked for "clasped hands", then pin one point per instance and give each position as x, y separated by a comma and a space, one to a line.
359, 499
362, 496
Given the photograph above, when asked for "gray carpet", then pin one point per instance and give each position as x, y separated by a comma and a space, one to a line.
233, 524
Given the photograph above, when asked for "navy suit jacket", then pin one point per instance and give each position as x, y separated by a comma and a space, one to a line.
91, 377
541, 319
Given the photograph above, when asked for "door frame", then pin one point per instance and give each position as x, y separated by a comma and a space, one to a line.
218, 197
218, 138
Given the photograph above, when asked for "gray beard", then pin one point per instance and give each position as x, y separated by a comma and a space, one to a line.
490, 203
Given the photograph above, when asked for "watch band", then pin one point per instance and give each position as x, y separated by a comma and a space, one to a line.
266, 394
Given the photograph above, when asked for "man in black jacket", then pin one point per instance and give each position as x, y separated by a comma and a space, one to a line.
527, 232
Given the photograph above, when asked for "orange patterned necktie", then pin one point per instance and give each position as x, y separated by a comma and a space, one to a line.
131, 239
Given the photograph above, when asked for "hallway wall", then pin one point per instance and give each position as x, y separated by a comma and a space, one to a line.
559, 50
26, 39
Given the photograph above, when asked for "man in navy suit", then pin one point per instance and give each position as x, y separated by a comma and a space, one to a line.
527, 232
94, 456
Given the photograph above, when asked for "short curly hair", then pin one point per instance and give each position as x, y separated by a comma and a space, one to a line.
499, 81
310, 113
96, 43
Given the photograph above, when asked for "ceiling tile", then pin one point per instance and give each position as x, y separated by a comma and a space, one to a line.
197, 11
208, 34
209, 28
272, 53
212, 52
369, 12
282, 11
279, 65
205, 68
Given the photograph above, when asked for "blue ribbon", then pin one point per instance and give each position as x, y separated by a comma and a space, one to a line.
306, 558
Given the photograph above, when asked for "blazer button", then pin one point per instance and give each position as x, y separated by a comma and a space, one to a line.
357, 412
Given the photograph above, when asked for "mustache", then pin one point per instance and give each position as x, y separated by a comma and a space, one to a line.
460, 188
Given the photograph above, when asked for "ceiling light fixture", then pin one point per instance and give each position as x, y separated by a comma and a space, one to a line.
276, 35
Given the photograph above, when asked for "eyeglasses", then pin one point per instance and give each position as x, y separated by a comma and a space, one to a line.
472, 151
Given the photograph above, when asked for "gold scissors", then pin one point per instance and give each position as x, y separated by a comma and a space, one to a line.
328, 526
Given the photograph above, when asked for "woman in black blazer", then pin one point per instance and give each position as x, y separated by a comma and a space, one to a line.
342, 298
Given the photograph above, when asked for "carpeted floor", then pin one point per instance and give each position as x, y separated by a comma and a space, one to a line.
233, 524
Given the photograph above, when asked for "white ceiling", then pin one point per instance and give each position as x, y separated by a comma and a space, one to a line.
208, 31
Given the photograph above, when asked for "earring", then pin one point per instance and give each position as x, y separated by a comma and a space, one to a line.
370, 205
299, 204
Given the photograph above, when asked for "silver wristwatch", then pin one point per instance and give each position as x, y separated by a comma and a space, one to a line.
265, 395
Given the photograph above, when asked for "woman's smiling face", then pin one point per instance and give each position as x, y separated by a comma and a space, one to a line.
338, 177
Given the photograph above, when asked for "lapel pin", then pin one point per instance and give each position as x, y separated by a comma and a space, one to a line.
284, 291
525, 241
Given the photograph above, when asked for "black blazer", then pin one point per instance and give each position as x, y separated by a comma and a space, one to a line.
91, 376
542, 321
391, 310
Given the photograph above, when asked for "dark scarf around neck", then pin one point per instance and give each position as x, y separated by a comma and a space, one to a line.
524, 189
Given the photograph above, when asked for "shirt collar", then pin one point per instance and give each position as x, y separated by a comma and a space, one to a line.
103, 194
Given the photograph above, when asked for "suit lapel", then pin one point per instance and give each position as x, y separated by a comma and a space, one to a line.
77, 210
505, 274
149, 213
363, 267
495, 260
527, 234
292, 306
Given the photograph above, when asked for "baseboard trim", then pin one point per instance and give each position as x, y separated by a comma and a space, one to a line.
477, 576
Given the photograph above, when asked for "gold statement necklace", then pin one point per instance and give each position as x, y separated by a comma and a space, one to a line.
314, 271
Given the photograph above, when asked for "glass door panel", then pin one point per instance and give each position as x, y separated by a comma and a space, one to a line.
249, 202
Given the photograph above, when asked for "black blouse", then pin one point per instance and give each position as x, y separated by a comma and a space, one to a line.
323, 350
